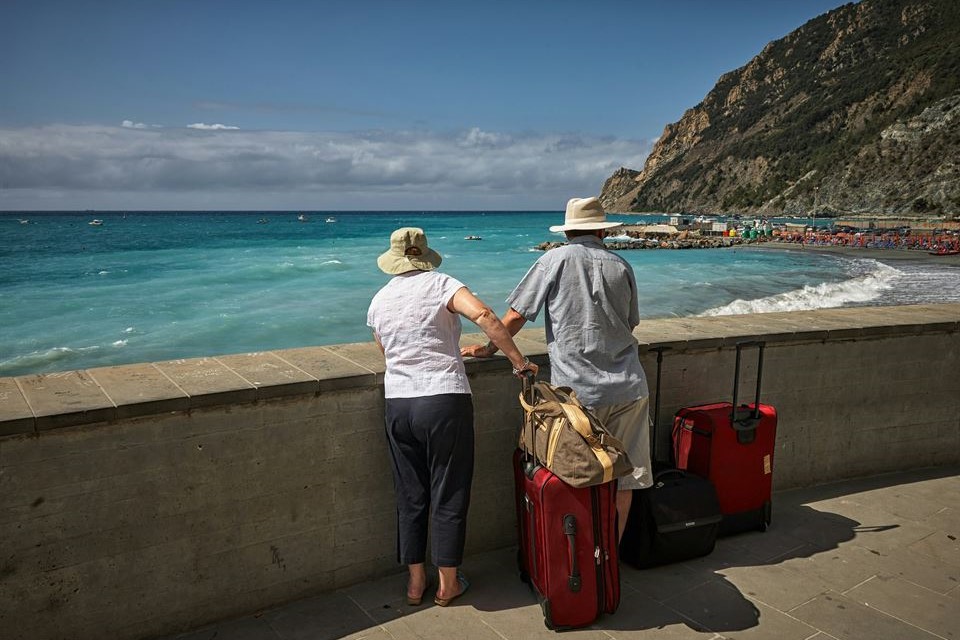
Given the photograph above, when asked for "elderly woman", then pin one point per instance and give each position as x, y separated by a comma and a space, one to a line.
429, 412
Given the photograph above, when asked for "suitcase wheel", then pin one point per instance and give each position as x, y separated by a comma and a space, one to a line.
767, 513
521, 567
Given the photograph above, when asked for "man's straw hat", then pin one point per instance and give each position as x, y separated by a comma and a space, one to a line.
585, 214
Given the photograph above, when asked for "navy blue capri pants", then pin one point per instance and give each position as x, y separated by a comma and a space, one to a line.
431, 446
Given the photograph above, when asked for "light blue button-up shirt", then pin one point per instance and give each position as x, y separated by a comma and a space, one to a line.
589, 297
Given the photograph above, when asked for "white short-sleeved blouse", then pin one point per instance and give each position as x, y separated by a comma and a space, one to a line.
420, 336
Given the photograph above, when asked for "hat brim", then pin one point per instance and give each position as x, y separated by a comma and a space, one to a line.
585, 226
392, 264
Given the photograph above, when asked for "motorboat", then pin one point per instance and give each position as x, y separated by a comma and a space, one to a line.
472, 238
262, 221
24, 222
302, 217
96, 222
331, 219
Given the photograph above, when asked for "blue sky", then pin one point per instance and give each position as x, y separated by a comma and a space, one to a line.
361, 104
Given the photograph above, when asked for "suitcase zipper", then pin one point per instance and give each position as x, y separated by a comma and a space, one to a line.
570, 531
597, 539
532, 536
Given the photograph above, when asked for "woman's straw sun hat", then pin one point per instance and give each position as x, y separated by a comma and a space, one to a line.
408, 252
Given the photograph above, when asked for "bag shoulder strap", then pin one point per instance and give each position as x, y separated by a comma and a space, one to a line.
551, 392
549, 408
580, 421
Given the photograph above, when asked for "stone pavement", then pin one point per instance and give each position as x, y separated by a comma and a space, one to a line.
869, 559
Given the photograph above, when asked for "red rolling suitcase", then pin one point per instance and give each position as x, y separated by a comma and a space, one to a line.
734, 450
567, 544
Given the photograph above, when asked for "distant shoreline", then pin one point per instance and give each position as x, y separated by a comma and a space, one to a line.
883, 255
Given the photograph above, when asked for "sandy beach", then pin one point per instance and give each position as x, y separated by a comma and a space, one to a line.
883, 255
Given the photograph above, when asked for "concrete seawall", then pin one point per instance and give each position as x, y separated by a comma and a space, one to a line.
152, 498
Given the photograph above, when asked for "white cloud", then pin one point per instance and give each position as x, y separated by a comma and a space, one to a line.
477, 138
211, 127
130, 124
90, 167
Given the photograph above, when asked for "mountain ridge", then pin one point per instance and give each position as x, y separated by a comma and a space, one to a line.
855, 112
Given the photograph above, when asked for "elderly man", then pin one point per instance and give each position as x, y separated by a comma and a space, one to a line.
589, 298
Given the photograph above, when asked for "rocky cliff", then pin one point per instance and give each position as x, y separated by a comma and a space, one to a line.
857, 111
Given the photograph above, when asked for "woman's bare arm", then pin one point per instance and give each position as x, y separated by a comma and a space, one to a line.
472, 308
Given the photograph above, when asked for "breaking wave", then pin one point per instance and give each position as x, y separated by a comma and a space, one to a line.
60, 356
861, 289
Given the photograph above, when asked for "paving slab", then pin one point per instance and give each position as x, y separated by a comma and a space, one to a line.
845, 619
668, 581
15, 413
716, 606
746, 328
778, 585
331, 370
910, 318
65, 399
838, 569
326, 618
943, 547
140, 389
906, 601
364, 354
640, 617
773, 544
917, 568
685, 334
271, 375
435, 622
208, 382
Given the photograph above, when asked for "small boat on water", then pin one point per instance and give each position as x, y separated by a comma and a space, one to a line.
96, 222
303, 217
472, 238
945, 252
24, 222
331, 219
262, 221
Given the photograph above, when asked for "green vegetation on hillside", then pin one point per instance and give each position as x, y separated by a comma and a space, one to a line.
817, 101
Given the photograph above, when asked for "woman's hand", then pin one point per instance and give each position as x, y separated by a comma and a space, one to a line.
478, 351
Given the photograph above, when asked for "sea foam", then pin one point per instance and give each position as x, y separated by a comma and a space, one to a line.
858, 290
45, 357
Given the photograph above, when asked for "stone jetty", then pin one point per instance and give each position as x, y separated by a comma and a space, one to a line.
633, 238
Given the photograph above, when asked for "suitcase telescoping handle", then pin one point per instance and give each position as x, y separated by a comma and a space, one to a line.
529, 457
656, 401
747, 423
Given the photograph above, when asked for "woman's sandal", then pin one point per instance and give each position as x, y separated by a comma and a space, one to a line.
464, 585
415, 602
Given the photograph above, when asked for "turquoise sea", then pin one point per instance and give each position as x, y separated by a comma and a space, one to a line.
150, 286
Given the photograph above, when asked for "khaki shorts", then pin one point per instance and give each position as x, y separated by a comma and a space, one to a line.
630, 423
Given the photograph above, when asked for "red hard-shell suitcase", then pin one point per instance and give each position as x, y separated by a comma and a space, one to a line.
735, 452
567, 544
